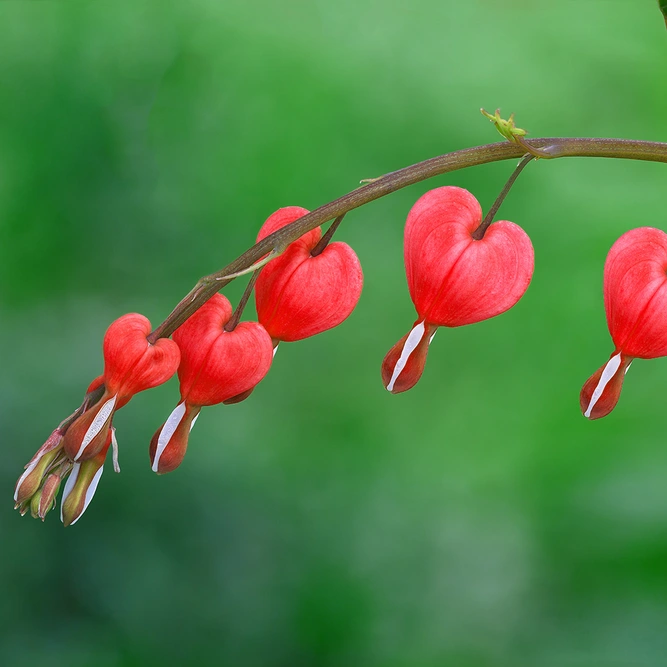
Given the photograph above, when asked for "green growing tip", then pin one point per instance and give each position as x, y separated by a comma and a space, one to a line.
507, 128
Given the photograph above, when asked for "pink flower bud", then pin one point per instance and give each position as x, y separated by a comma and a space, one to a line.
453, 278
216, 365
298, 295
44, 498
31, 480
131, 365
47, 499
635, 299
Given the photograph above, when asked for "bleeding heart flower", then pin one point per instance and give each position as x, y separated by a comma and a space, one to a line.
131, 365
300, 295
216, 365
453, 278
635, 301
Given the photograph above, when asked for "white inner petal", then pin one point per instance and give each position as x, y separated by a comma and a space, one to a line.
90, 492
196, 417
114, 449
100, 420
607, 374
411, 343
275, 349
69, 485
167, 432
28, 470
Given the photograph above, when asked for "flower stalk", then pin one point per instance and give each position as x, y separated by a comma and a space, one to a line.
554, 147
478, 234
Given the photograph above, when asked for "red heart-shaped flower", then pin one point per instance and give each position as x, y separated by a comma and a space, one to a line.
298, 295
635, 293
635, 300
131, 365
216, 365
453, 278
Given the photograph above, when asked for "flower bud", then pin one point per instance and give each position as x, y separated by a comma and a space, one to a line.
49, 492
30, 481
81, 485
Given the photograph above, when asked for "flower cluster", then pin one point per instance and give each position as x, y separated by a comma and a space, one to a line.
298, 294
78, 447
460, 270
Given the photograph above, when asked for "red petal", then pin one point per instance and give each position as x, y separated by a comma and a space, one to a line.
196, 336
602, 390
453, 278
170, 442
239, 397
131, 363
217, 364
88, 435
285, 216
95, 384
404, 363
635, 292
236, 362
298, 295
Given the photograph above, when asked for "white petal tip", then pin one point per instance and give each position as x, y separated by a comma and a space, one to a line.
608, 373
411, 342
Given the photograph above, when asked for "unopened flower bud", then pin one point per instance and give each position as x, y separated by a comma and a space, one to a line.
81, 485
34, 504
49, 491
30, 481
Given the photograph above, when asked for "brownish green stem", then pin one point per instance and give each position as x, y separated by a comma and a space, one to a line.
481, 230
324, 241
236, 317
553, 147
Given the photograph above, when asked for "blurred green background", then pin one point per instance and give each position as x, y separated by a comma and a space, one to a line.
478, 520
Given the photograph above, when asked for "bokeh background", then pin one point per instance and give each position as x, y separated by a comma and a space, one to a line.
478, 520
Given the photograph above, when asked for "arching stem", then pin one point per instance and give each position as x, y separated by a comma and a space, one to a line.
478, 234
554, 147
